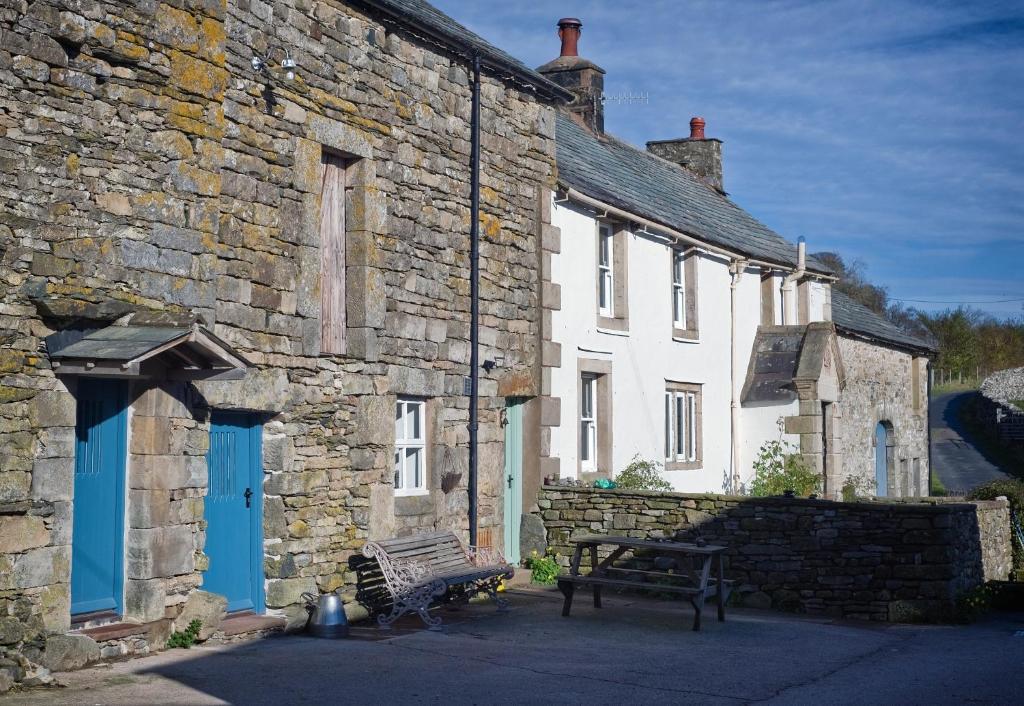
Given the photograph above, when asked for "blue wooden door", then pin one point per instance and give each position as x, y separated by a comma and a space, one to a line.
881, 461
97, 544
233, 509
513, 478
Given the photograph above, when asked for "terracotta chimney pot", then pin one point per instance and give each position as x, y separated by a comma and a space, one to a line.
697, 128
569, 32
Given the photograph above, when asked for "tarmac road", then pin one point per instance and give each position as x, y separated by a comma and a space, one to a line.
633, 651
958, 463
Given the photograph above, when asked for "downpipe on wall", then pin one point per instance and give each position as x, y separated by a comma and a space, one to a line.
736, 268
474, 295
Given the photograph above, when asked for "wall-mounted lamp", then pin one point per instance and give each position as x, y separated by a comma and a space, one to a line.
261, 64
489, 365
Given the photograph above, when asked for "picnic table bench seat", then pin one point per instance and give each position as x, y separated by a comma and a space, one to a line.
424, 567
696, 584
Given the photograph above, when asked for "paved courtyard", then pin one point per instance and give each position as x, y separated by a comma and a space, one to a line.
634, 651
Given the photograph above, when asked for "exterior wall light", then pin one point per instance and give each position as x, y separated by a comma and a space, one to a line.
261, 65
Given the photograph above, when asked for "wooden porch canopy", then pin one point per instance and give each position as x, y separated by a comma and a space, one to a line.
169, 352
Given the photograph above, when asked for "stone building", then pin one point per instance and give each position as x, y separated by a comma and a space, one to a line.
234, 247
879, 428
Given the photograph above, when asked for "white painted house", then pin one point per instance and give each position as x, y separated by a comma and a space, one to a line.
678, 328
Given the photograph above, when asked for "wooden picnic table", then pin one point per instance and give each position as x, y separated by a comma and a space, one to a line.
691, 579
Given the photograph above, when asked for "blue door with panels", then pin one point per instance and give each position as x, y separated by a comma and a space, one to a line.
233, 508
97, 544
881, 461
513, 478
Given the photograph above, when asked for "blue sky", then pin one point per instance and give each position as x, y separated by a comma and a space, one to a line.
888, 131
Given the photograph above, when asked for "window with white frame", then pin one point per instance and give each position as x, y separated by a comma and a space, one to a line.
682, 426
588, 423
410, 447
678, 289
605, 271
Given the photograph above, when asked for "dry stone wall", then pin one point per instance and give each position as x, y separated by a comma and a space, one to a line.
887, 561
147, 170
1000, 409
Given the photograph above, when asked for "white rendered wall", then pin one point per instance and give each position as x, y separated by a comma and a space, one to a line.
646, 356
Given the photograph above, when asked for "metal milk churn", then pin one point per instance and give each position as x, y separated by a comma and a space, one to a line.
326, 615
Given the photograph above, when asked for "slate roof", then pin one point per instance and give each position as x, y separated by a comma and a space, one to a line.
636, 181
118, 342
130, 344
418, 12
857, 319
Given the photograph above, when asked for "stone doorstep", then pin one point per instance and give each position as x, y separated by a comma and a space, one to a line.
116, 631
241, 623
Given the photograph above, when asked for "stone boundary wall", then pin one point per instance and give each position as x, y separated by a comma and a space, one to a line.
885, 561
999, 391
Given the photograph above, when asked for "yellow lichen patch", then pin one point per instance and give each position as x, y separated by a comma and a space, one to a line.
194, 127
199, 77
490, 196
329, 101
371, 125
176, 28
491, 225
11, 361
211, 40
189, 110
130, 50
73, 162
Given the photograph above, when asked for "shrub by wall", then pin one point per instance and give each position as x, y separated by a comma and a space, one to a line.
887, 561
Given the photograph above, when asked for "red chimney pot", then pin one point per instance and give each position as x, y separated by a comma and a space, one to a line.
697, 128
569, 32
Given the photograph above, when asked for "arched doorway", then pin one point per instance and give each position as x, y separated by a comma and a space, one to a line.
883, 457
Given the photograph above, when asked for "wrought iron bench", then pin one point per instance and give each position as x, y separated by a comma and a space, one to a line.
424, 567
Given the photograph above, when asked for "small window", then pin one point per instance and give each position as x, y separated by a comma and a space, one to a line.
605, 273
684, 293
682, 426
588, 423
410, 447
678, 289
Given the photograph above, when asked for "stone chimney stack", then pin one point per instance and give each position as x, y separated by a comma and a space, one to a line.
698, 154
584, 78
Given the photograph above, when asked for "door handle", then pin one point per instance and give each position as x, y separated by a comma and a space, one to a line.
248, 497
510, 481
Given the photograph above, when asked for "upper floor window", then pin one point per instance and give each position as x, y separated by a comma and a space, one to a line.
684, 293
410, 447
605, 271
678, 289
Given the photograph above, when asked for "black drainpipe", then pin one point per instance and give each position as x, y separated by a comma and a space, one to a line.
474, 295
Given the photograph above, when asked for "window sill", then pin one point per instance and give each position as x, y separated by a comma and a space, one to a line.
684, 465
612, 332
683, 335
411, 493
678, 339
613, 325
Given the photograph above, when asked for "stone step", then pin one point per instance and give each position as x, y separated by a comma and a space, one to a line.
241, 623
115, 631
